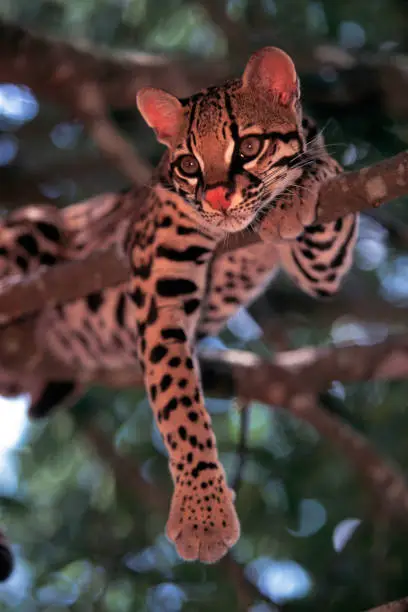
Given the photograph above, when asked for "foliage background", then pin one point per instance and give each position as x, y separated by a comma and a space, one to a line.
311, 536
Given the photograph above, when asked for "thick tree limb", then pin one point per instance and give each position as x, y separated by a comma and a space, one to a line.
349, 192
308, 370
291, 381
50, 286
393, 606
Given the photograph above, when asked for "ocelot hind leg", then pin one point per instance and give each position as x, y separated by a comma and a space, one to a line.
31, 238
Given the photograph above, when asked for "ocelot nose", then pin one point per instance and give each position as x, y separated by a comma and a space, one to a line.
218, 198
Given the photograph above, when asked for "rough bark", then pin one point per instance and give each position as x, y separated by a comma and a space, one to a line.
349, 192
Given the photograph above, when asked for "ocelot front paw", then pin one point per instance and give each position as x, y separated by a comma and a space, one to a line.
203, 523
293, 211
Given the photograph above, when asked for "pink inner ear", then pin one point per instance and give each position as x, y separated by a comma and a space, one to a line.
272, 70
161, 111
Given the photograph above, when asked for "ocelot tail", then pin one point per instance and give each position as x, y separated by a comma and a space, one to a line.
234, 153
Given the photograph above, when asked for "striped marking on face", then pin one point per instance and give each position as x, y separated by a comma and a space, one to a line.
229, 151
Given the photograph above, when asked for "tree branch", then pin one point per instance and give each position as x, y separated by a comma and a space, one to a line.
346, 193
89, 105
61, 283
242, 447
349, 192
291, 381
394, 606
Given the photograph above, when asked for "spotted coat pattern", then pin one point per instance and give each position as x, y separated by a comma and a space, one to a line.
177, 290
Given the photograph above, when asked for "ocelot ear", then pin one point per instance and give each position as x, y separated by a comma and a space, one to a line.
162, 111
272, 71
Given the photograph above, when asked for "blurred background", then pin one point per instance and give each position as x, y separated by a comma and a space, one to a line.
84, 496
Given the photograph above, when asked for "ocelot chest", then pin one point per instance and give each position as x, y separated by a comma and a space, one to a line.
170, 258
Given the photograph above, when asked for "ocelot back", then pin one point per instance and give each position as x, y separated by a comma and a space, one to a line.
234, 153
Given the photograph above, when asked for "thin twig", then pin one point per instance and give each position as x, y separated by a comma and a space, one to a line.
242, 447
90, 107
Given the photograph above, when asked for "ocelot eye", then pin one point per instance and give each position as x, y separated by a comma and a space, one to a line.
250, 147
188, 165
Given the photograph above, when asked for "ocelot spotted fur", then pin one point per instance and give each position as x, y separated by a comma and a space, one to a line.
234, 153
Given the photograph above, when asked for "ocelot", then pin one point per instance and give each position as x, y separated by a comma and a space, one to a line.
235, 153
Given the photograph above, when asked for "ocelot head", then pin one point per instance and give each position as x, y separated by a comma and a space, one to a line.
232, 149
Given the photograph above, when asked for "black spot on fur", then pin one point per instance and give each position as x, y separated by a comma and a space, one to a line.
153, 392
191, 253
166, 382
174, 333
120, 310
46, 259
174, 362
138, 297
169, 407
95, 301
202, 466
28, 243
173, 287
157, 353
152, 314
49, 231
318, 267
22, 263
191, 306
166, 222
184, 230
143, 271
308, 254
